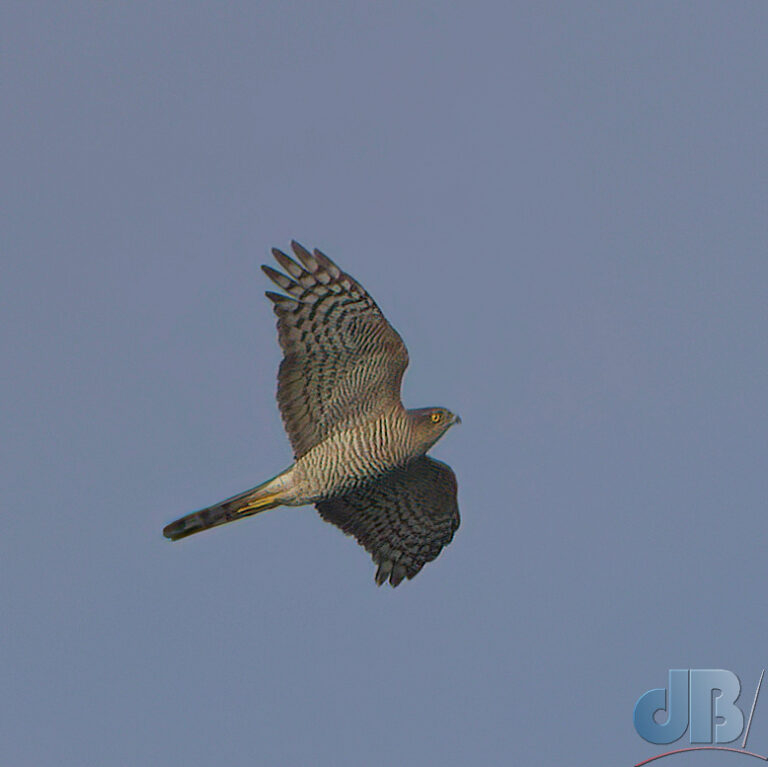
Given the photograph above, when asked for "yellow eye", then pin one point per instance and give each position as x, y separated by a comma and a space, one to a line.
436, 417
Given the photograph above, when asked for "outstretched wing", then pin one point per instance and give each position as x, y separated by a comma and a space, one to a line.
343, 360
404, 518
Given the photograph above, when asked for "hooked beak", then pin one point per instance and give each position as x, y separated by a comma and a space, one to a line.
455, 420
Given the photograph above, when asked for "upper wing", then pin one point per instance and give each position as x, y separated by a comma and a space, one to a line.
404, 518
343, 360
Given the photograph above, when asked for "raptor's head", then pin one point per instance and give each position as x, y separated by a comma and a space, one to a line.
430, 423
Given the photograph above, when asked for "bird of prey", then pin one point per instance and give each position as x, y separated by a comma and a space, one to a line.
360, 456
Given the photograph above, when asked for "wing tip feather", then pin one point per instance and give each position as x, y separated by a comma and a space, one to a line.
306, 258
279, 298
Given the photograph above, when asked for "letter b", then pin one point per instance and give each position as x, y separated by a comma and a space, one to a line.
704, 681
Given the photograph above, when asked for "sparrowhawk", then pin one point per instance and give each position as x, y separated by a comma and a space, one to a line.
360, 456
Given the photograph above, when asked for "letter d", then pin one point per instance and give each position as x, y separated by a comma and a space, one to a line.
656, 700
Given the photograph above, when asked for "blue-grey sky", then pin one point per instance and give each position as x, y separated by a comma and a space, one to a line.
562, 207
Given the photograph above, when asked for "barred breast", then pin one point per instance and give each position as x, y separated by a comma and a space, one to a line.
350, 457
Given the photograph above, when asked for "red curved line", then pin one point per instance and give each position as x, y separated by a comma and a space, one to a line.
702, 748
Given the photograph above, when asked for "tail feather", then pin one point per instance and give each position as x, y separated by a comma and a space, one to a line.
250, 502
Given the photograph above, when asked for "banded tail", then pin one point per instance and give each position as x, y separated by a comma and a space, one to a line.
265, 496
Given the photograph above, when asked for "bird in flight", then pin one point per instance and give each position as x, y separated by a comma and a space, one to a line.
360, 456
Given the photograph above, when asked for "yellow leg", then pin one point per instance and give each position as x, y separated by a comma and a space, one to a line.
259, 504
